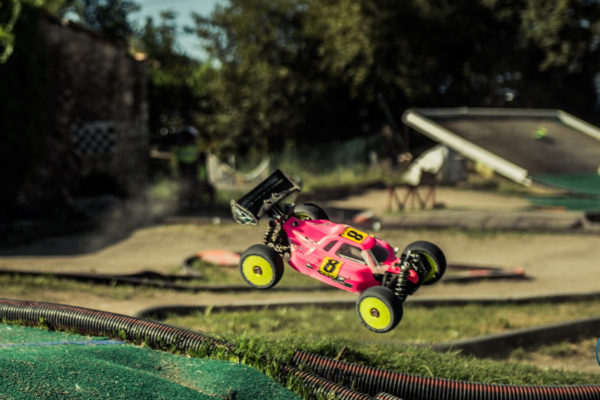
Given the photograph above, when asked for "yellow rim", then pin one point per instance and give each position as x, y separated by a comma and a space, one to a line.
433, 266
257, 270
375, 313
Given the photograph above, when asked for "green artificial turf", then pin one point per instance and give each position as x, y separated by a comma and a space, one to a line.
42, 364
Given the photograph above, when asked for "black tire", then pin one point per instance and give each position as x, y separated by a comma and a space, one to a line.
309, 211
379, 309
433, 256
261, 266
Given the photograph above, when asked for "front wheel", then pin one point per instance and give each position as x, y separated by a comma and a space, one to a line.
261, 266
379, 309
432, 257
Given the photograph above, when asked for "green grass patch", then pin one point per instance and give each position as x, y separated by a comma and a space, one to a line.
339, 177
419, 326
264, 353
273, 334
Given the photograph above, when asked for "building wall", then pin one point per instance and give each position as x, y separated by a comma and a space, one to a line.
101, 106
73, 117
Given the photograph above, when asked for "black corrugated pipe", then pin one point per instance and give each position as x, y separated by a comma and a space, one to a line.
386, 396
324, 387
414, 387
102, 323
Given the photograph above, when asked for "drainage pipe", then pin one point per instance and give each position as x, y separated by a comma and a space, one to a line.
372, 380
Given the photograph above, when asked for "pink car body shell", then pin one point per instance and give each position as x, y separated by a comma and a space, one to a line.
339, 255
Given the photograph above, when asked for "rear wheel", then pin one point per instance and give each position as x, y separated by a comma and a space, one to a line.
261, 266
379, 309
432, 257
309, 211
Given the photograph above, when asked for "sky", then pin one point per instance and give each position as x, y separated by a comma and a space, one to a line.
189, 43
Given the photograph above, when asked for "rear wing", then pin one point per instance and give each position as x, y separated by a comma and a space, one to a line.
253, 205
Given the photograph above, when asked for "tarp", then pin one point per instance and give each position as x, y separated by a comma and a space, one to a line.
430, 161
577, 183
584, 191
36, 363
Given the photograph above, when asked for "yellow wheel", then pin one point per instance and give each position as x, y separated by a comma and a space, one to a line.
379, 309
261, 267
433, 258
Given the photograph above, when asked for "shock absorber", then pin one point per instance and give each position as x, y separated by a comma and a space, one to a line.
270, 233
403, 285
275, 238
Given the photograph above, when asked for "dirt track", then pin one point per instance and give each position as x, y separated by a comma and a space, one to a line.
559, 263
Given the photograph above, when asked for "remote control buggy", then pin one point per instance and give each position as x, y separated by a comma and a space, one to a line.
337, 254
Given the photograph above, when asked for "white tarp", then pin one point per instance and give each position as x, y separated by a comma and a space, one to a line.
430, 161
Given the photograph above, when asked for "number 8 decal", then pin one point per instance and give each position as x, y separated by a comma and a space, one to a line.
354, 235
330, 267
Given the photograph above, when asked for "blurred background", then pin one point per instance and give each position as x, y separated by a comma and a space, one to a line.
128, 126
96, 94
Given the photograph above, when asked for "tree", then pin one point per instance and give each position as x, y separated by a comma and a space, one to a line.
560, 43
9, 12
109, 17
177, 87
311, 70
270, 84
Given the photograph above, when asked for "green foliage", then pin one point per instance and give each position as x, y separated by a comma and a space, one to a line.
567, 31
109, 17
53, 7
305, 70
9, 12
554, 51
178, 84
160, 41
269, 84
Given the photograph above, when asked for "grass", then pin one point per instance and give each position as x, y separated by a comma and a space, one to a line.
267, 335
263, 354
340, 177
419, 326
166, 191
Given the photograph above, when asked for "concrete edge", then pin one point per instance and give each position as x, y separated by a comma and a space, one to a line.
503, 343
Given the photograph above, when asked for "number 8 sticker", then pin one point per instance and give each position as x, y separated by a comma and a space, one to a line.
330, 267
354, 235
